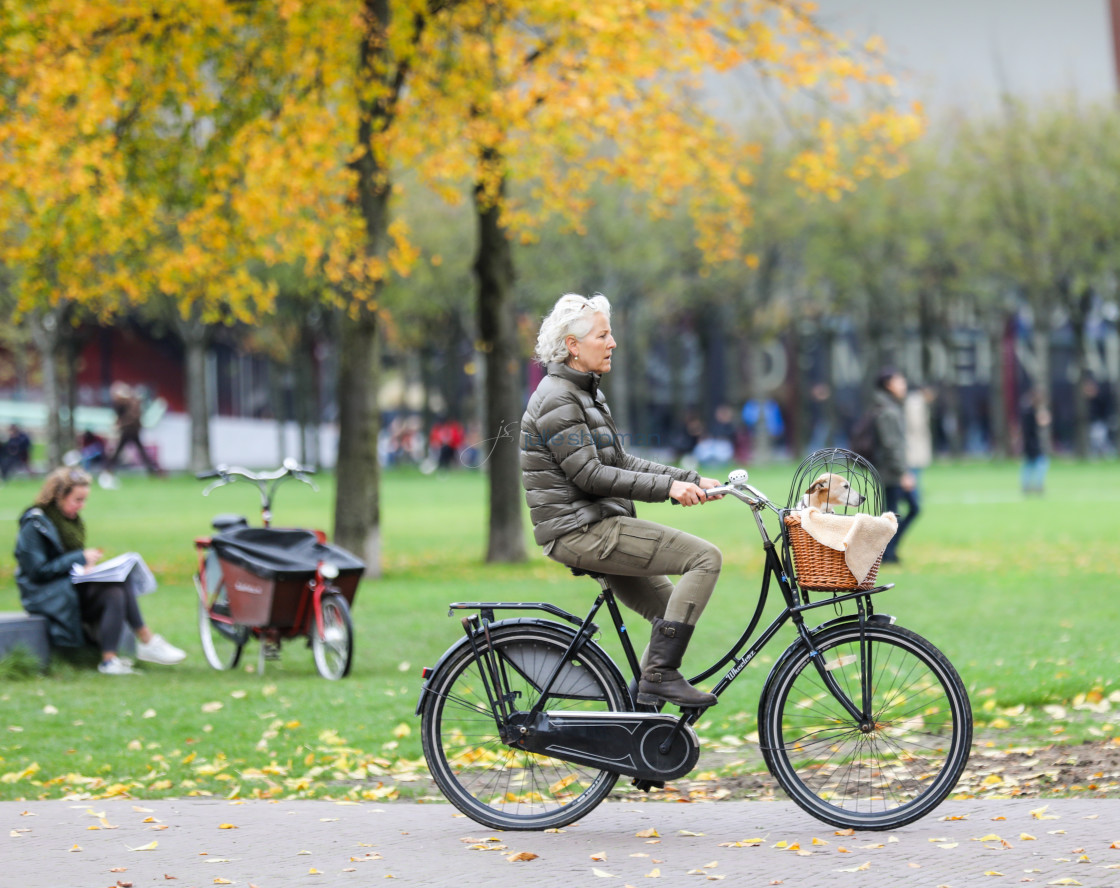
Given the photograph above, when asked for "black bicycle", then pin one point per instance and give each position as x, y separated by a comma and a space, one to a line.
527, 723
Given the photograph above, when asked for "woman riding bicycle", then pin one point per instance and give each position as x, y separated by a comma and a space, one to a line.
580, 485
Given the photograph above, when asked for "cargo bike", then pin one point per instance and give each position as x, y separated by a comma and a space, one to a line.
271, 584
527, 722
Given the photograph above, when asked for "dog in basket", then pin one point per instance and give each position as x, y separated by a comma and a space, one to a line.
828, 492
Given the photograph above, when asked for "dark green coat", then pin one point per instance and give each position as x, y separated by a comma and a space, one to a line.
43, 577
890, 433
574, 467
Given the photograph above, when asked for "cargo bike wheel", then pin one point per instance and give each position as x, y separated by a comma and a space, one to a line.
222, 639
333, 646
875, 773
496, 784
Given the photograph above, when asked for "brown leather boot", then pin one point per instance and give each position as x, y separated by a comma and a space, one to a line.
661, 679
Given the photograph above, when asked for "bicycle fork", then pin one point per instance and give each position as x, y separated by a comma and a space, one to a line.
861, 712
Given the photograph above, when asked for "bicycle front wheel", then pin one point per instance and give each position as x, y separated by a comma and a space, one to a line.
333, 648
879, 773
498, 785
222, 640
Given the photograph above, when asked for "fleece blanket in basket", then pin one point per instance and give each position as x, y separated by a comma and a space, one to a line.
862, 538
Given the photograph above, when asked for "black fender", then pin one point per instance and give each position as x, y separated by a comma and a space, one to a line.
799, 645
568, 632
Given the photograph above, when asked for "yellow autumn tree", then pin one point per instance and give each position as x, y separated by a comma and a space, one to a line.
149, 149
532, 102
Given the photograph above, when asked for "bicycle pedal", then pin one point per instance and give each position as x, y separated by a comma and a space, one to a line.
271, 651
647, 785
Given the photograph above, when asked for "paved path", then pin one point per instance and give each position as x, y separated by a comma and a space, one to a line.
182, 843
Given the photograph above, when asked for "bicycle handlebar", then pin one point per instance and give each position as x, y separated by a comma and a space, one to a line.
738, 487
229, 474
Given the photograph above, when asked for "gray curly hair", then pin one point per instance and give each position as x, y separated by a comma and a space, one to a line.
571, 316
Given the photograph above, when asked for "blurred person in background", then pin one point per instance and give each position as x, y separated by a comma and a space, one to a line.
891, 454
126, 405
15, 452
1034, 420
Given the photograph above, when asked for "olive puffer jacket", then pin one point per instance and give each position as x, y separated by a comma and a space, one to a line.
43, 577
573, 465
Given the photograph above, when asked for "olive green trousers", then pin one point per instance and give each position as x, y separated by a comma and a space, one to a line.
636, 555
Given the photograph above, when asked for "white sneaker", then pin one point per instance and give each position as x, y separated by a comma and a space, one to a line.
159, 650
115, 666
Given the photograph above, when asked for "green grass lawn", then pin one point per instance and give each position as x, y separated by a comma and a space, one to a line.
1020, 594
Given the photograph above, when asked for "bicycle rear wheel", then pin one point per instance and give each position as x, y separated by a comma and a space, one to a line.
889, 771
498, 785
333, 648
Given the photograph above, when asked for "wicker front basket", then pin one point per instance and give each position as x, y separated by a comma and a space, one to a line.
818, 566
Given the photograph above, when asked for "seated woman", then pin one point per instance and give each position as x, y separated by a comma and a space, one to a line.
52, 539
581, 484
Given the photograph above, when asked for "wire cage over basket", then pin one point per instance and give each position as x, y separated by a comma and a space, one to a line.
851, 486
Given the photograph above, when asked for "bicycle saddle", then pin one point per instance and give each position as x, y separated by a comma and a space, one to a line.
580, 572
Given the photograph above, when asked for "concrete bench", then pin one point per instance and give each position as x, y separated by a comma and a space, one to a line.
28, 630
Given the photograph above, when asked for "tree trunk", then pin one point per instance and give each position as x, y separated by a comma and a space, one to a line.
1079, 304
276, 384
307, 400
357, 508
999, 439
497, 341
45, 333
195, 338
357, 512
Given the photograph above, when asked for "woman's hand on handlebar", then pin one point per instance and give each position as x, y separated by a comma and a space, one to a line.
707, 484
686, 493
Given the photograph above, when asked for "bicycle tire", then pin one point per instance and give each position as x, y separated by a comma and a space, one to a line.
903, 765
497, 785
333, 648
222, 642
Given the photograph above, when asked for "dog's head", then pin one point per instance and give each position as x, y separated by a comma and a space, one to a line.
831, 490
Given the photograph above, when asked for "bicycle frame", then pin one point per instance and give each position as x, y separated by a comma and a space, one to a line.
777, 566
